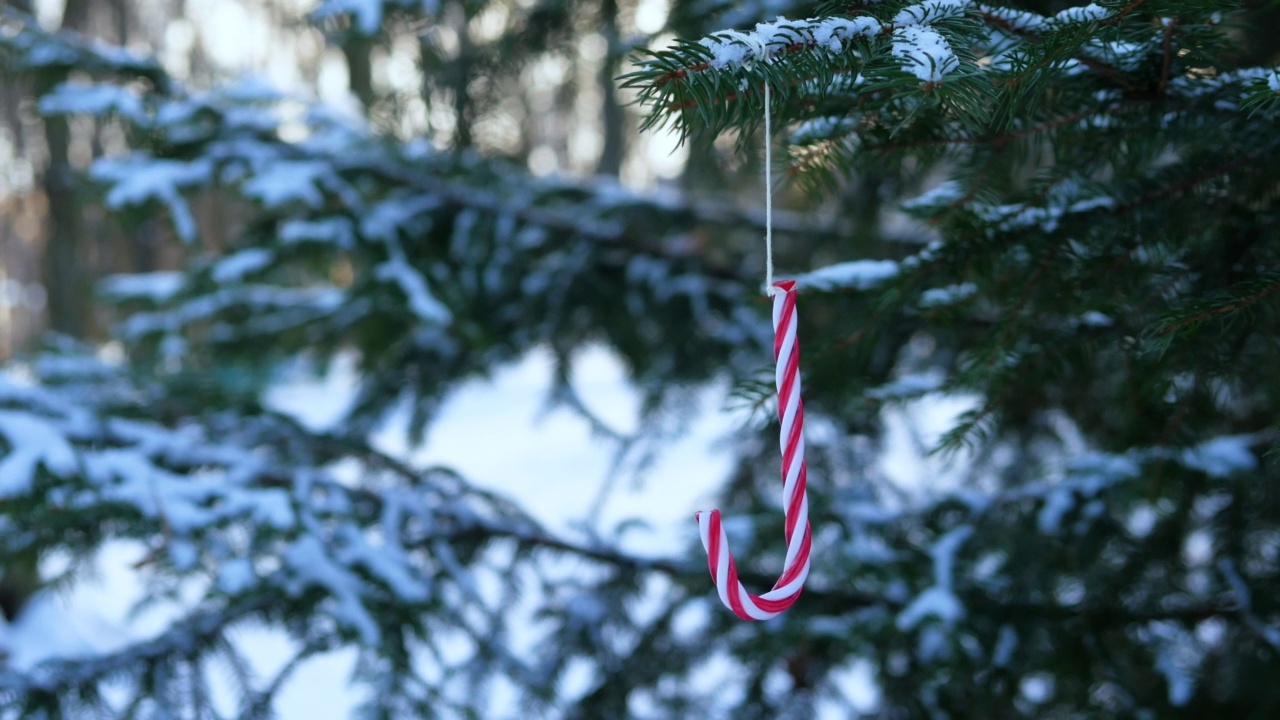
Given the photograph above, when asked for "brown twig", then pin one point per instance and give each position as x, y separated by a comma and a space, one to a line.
1236, 306
1181, 187
1124, 13
1002, 138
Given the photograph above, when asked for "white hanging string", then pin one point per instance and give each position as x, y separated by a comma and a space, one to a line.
769, 289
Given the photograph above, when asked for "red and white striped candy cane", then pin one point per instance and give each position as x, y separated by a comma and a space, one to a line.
786, 353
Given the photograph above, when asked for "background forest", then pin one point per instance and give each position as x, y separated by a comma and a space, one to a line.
1060, 220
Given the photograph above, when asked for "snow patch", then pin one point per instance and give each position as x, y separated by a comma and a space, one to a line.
949, 295
76, 98
852, 275
338, 231
1095, 319
1016, 20
940, 600
140, 178
34, 442
157, 287
234, 267
235, 576
735, 49
1222, 457
1084, 14
1020, 215
421, 302
942, 194
282, 182
908, 386
924, 53
1006, 644
311, 564
824, 128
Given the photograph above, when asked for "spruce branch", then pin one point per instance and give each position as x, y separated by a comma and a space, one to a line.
998, 138
798, 59
198, 629
1233, 300
25, 47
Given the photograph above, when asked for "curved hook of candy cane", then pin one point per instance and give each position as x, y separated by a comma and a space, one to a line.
724, 572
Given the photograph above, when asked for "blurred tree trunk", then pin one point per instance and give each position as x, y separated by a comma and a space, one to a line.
120, 13
66, 280
11, 92
460, 80
357, 51
613, 118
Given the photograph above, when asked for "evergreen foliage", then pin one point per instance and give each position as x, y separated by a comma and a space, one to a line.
1091, 265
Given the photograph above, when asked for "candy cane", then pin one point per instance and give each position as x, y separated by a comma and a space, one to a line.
724, 572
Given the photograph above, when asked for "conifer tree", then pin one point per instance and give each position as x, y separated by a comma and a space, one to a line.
1064, 219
